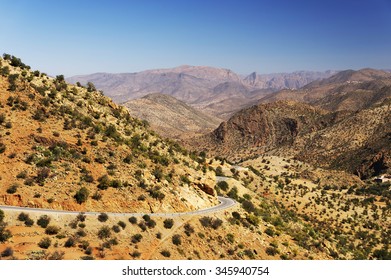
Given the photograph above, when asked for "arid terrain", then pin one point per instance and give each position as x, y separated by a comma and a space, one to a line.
215, 91
305, 176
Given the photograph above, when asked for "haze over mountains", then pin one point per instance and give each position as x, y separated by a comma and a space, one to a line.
220, 92
347, 90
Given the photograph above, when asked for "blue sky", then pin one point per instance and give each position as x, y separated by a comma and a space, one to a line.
267, 36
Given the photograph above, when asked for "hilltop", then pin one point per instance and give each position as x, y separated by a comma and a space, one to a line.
170, 117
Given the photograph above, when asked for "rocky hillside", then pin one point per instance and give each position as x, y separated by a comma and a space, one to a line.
263, 127
346, 90
219, 92
360, 143
170, 117
69, 147
356, 142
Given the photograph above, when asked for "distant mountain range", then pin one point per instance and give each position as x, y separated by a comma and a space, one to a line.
219, 92
347, 90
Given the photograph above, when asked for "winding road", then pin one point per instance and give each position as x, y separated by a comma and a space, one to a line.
225, 203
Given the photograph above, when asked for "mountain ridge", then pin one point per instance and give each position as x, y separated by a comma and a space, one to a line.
197, 86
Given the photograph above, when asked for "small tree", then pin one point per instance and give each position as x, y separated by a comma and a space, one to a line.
82, 195
104, 232
5, 234
91, 87
168, 223
133, 220
43, 221
189, 229
136, 238
23, 217
165, 253
81, 217
177, 239
70, 242
122, 224
1, 216
12, 189
223, 185
103, 217
29, 222
52, 230
8, 252
219, 171
116, 228
45, 243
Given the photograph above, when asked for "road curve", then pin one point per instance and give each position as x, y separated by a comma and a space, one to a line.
225, 203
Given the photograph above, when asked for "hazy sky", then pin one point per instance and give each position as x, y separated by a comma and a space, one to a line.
82, 37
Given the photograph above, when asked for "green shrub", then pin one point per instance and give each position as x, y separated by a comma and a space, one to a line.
176, 239
210, 222
188, 229
70, 242
22, 175
12, 189
116, 228
122, 224
168, 223
43, 221
52, 230
2, 148
8, 252
5, 234
2, 118
45, 243
271, 251
104, 232
29, 222
219, 171
270, 232
103, 217
56, 255
104, 182
223, 185
165, 253
82, 195
133, 220
23, 217
136, 238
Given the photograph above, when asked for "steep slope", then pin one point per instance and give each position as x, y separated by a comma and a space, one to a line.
356, 142
262, 128
347, 90
68, 147
170, 117
360, 143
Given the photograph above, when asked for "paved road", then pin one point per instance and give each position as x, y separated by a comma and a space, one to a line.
225, 203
